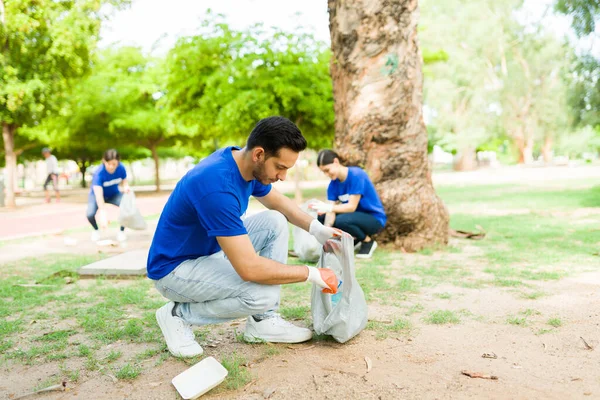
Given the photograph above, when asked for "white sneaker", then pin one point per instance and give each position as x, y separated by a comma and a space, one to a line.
275, 329
178, 334
121, 236
95, 236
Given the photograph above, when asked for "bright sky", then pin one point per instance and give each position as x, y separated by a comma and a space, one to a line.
148, 22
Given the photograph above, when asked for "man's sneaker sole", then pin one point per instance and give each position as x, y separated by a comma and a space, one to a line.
255, 339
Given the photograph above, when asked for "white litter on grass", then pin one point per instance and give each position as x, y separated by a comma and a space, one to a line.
69, 241
199, 379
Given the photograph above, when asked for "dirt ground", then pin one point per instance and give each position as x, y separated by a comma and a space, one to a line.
423, 363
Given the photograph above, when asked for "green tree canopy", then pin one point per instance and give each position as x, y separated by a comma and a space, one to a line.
44, 46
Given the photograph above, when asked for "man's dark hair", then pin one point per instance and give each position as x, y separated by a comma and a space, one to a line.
326, 157
111, 154
275, 133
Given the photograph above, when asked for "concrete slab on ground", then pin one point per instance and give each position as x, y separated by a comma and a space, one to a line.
126, 264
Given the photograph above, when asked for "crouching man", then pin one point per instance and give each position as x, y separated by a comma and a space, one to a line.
215, 266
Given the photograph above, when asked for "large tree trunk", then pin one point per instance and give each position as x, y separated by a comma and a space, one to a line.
547, 150
525, 147
377, 86
156, 167
82, 164
465, 160
8, 136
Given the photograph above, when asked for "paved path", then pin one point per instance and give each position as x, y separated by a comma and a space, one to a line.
43, 219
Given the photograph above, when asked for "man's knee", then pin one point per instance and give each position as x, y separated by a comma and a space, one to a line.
277, 221
264, 299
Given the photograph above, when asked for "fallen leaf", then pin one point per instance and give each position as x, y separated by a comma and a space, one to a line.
369, 364
478, 375
307, 348
154, 384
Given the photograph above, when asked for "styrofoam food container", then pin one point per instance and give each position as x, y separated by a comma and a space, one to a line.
200, 378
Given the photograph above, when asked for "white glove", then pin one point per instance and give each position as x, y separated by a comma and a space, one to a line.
324, 278
321, 232
321, 208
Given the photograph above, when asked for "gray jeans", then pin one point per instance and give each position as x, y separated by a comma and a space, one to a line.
210, 291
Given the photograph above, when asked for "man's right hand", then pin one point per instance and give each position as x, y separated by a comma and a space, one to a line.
321, 232
324, 278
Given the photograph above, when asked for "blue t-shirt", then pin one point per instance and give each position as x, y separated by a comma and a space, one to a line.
208, 201
358, 182
109, 182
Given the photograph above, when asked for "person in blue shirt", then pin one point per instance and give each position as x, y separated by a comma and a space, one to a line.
216, 265
354, 205
105, 190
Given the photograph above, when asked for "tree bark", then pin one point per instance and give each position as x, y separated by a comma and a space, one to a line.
378, 87
465, 160
8, 136
525, 147
156, 167
547, 150
82, 164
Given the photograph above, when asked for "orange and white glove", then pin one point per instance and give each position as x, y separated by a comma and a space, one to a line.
324, 278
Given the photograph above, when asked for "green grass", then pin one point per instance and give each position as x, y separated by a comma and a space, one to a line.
84, 350
238, 375
128, 372
555, 322
444, 295
113, 355
271, 350
532, 295
519, 321
383, 329
415, 309
530, 312
520, 196
441, 317
298, 312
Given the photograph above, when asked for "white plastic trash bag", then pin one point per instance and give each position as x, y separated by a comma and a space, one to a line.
342, 315
305, 245
129, 216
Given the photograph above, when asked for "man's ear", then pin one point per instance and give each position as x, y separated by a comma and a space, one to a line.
258, 154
